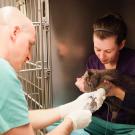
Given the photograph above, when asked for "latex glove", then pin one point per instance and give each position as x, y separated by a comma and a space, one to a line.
81, 103
80, 119
96, 99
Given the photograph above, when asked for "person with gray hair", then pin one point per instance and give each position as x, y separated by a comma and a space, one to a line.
17, 38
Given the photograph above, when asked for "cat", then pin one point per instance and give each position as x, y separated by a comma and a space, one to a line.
95, 79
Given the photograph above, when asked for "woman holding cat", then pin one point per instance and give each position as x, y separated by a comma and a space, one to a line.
109, 37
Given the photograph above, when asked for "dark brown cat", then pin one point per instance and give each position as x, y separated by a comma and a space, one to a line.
95, 79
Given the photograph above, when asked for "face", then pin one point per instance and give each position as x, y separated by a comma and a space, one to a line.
106, 49
23, 43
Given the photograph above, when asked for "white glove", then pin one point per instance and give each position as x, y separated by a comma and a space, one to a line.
80, 119
96, 99
81, 103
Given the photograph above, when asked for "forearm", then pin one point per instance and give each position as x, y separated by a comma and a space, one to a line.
21, 130
65, 128
42, 118
76, 109
112, 90
120, 93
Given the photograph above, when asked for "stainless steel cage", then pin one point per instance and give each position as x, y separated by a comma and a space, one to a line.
36, 75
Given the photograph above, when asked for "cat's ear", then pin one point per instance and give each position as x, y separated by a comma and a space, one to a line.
90, 72
86, 74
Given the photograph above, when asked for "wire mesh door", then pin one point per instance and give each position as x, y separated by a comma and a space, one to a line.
36, 74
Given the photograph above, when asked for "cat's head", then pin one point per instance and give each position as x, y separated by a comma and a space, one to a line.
93, 78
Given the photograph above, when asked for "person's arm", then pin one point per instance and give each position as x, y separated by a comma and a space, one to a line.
112, 90
117, 92
127, 98
22, 130
43, 118
74, 120
65, 128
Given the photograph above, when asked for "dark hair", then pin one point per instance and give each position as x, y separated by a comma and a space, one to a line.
111, 25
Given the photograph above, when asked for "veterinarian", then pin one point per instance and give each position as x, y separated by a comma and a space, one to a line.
17, 38
109, 38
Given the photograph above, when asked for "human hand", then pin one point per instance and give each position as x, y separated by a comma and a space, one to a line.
81, 103
88, 101
80, 84
109, 87
96, 99
113, 90
80, 118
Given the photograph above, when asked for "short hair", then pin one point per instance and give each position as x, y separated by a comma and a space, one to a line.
109, 25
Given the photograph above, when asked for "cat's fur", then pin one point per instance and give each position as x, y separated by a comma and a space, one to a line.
95, 79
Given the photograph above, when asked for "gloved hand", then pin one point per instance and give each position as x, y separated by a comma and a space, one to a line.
79, 104
84, 102
80, 119
96, 99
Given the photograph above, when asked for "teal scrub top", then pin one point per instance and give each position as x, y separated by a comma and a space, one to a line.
13, 105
